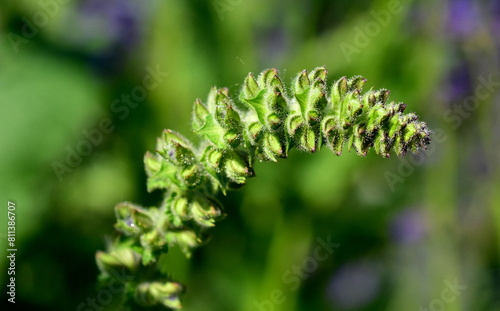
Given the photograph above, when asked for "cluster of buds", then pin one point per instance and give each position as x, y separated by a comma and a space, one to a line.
363, 121
123, 266
264, 123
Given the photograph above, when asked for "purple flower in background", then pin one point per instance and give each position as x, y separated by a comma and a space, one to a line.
105, 31
408, 226
493, 7
117, 21
273, 44
354, 285
463, 18
458, 84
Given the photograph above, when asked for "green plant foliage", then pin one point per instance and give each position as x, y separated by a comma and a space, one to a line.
264, 123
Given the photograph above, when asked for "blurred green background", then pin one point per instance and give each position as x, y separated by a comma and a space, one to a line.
416, 233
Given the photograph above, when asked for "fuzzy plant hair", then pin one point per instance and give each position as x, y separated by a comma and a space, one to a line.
263, 122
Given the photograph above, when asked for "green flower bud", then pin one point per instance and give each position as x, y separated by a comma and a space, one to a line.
176, 149
132, 219
158, 293
354, 108
339, 90
179, 207
399, 146
161, 173
343, 109
278, 104
273, 119
375, 117
237, 168
250, 88
382, 96
328, 124
233, 119
211, 99
205, 212
334, 137
370, 99
186, 239
232, 138
318, 73
269, 79
310, 95
254, 130
117, 260
200, 114
152, 164
191, 175
409, 132
313, 116
301, 83
152, 240
273, 147
318, 89
356, 83
307, 139
395, 126
381, 145
225, 114
400, 107
358, 141
293, 123
409, 118
212, 159
316, 104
